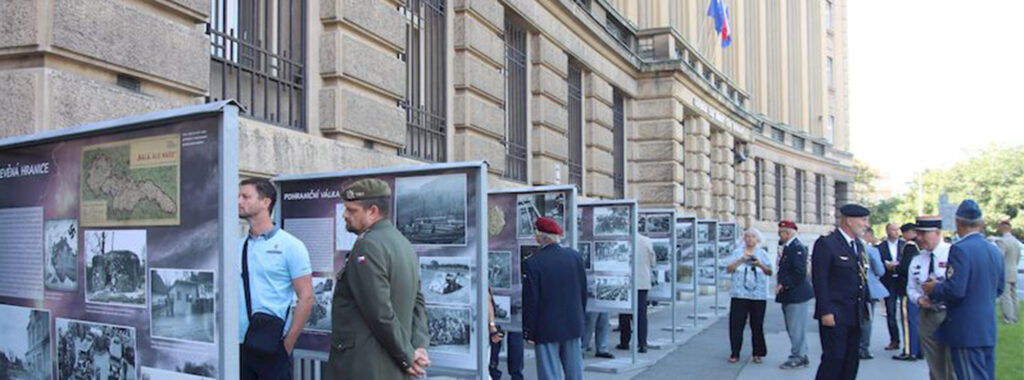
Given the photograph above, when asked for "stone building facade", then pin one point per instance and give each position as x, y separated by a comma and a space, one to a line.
623, 98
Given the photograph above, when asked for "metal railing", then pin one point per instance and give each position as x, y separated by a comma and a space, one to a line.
257, 51
515, 104
426, 62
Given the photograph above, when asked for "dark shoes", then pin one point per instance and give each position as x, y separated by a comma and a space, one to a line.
866, 356
892, 346
606, 355
794, 363
906, 358
642, 350
621, 347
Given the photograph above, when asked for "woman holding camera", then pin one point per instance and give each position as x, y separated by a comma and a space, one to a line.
751, 269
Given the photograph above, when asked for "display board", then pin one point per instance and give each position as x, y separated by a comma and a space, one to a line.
511, 216
113, 239
707, 252
686, 253
441, 210
727, 235
659, 226
608, 244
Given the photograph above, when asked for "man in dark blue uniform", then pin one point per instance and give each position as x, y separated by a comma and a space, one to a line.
794, 292
974, 279
890, 250
838, 272
554, 303
908, 310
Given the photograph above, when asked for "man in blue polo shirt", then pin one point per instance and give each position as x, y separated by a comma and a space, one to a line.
279, 272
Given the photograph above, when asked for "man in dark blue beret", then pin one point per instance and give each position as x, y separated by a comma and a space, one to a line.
974, 279
839, 275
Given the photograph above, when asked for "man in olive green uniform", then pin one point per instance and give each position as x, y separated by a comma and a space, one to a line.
378, 313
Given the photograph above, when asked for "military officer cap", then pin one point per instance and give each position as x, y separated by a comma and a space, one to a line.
907, 227
854, 210
929, 223
367, 188
969, 211
1005, 222
785, 223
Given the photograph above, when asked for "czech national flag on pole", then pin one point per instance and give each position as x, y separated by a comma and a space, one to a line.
720, 13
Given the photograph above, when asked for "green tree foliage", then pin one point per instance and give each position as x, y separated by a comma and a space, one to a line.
994, 178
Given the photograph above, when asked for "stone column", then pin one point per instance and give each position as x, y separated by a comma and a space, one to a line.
789, 194
810, 198
598, 134
655, 167
479, 118
768, 209
745, 212
698, 167
723, 175
549, 139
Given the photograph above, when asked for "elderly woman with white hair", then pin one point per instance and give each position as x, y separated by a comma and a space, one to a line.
751, 269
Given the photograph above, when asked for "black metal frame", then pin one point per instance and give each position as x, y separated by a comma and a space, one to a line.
426, 99
516, 89
619, 135
262, 42
575, 84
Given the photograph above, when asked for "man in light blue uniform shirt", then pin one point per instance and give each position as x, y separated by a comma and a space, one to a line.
974, 279
876, 291
279, 273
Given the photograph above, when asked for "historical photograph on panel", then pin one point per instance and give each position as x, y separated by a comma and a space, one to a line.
115, 267
25, 348
611, 255
495, 221
182, 305
611, 221
655, 223
706, 263
343, 239
529, 207
727, 232
88, 350
586, 251
503, 309
320, 316
431, 210
662, 247
149, 373
61, 255
684, 252
131, 183
445, 279
499, 269
450, 329
702, 232
612, 288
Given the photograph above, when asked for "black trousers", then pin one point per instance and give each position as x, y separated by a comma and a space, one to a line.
254, 366
891, 306
739, 311
626, 321
839, 352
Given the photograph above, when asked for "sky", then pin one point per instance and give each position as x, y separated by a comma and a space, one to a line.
931, 82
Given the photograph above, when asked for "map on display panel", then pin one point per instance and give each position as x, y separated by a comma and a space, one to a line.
132, 183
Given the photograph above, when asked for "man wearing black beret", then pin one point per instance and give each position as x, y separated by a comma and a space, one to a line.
839, 275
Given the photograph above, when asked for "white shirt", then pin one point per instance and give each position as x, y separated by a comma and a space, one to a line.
918, 271
894, 250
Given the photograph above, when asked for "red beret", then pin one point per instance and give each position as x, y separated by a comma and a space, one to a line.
787, 224
548, 225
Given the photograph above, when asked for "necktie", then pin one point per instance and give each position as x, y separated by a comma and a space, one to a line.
931, 265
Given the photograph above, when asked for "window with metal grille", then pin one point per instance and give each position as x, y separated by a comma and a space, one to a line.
780, 181
257, 58
758, 187
575, 83
515, 102
425, 100
819, 198
799, 196
619, 134
799, 143
818, 149
778, 135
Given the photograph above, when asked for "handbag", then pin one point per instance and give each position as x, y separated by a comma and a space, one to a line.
266, 331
